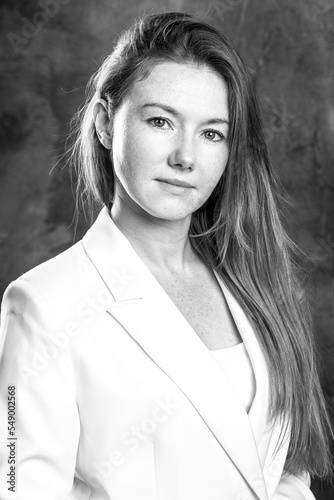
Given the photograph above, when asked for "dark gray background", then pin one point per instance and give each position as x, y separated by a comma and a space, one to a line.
46, 60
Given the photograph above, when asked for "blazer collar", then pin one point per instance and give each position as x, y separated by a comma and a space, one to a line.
148, 314
119, 266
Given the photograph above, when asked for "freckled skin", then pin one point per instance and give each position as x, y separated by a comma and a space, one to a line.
185, 147
153, 143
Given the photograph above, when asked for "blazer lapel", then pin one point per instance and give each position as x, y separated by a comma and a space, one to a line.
151, 318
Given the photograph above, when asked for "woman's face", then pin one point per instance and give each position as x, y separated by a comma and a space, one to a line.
170, 141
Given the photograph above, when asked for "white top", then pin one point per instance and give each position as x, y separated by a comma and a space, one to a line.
235, 363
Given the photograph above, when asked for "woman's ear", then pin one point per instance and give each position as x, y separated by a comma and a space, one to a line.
102, 123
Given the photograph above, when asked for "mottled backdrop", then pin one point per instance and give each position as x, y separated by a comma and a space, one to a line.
49, 48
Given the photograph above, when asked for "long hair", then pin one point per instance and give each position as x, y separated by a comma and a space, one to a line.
239, 230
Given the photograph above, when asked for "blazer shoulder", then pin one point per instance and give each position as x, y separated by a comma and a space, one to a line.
64, 281
57, 271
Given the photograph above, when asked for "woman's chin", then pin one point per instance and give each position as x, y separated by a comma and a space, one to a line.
169, 215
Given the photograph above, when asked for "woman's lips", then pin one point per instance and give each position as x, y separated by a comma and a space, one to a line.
176, 182
175, 186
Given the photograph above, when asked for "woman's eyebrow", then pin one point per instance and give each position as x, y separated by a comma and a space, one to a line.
173, 111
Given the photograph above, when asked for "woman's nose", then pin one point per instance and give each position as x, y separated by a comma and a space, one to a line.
182, 155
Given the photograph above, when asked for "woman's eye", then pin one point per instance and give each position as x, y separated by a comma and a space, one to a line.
157, 122
210, 134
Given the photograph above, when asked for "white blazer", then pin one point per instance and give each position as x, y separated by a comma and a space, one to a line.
117, 398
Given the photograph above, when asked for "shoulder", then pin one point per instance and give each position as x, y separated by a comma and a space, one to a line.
59, 272
101, 266
55, 287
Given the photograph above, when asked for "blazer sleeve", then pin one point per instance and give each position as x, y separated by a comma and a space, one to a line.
39, 421
293, 487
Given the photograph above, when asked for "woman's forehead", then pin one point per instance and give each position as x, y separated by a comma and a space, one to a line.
180, 85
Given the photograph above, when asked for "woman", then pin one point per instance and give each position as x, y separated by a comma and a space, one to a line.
168, 354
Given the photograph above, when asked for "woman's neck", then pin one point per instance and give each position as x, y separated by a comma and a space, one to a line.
162, 244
